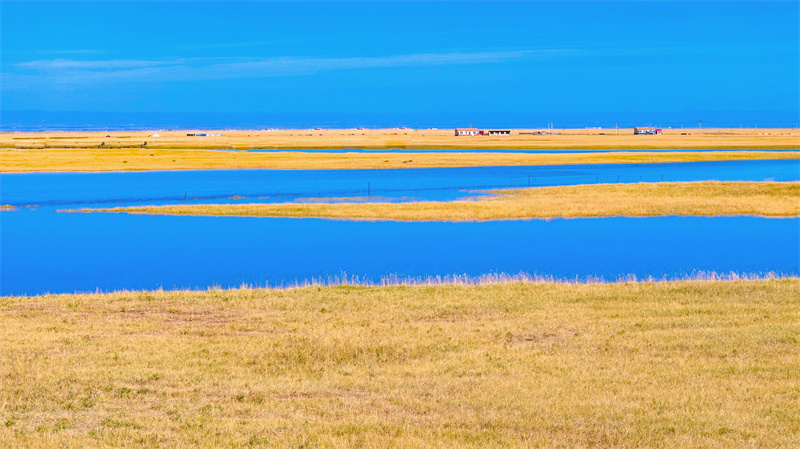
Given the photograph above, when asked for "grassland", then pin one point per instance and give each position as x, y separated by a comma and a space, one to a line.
174, 151
708, 198
22, 161
710, 364
410, 139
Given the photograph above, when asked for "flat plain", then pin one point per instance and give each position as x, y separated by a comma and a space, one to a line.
521, 364
125, 151
381, 139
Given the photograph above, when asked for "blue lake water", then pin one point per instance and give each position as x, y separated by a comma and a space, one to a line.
57, 252
42, 250
65, 190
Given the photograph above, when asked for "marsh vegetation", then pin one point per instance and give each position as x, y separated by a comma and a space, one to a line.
707, 198
677, 364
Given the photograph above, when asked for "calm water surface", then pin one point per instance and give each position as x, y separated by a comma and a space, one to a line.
57, 252
42, 250
65, 190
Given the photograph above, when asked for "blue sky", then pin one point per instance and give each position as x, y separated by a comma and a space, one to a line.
578, 62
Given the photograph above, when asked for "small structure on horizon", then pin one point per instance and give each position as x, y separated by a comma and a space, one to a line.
155, 135
468, 132
499, 132
646, 130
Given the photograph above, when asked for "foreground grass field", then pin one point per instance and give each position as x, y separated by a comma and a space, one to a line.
709, 198
139, 159
680, 364
410, 139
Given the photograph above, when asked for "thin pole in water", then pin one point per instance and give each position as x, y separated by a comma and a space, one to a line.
368, 191
529, 181
617, 178
184, 198
662, 177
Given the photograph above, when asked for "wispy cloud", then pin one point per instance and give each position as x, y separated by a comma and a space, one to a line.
228, 45
69, 64
70, 52
186, 69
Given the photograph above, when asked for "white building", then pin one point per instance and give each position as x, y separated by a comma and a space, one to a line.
468, 132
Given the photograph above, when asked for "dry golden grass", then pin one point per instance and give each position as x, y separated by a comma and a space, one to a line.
123, 151
710, 364
95, 160
412, 139
709, 198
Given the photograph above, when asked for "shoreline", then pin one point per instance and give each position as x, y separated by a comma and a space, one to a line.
699, 198
452, 280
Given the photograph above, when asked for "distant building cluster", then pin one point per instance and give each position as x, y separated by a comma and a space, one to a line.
480, 132
646, 130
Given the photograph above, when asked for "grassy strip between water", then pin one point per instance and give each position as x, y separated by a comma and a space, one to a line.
707, 198
138, 159
710, 364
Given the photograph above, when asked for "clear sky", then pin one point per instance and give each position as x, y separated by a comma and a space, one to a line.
444, 61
